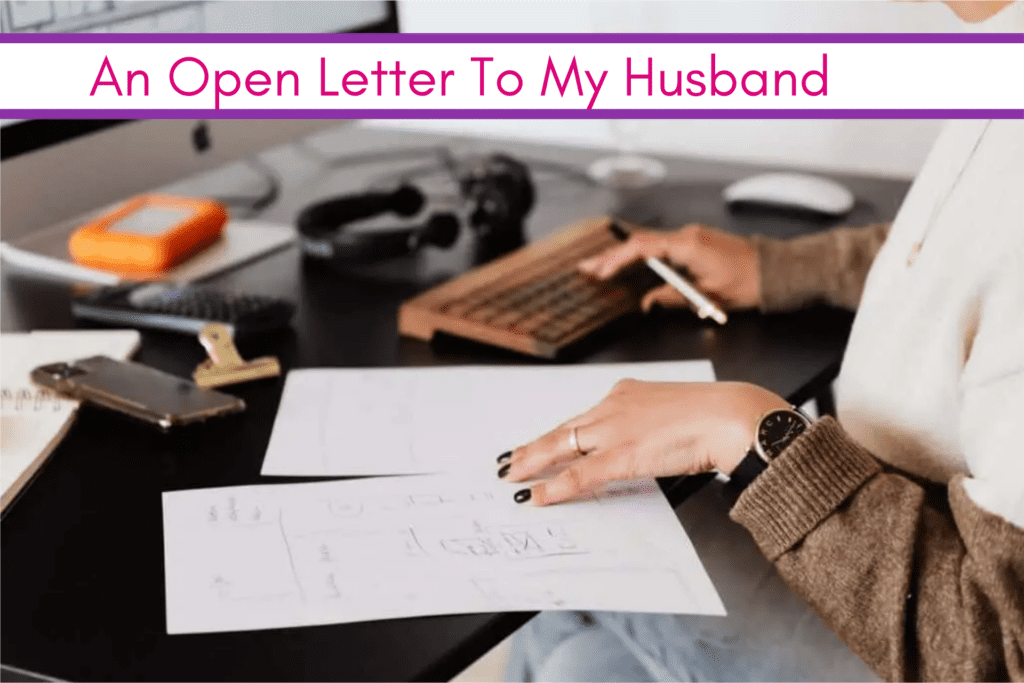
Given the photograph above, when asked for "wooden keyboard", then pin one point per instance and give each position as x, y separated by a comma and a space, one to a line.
533, 300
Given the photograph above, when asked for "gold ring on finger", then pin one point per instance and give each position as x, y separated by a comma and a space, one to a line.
574, 441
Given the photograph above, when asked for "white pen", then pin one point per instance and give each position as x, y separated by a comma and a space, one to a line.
706, 308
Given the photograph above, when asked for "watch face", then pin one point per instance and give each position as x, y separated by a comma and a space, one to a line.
778, 429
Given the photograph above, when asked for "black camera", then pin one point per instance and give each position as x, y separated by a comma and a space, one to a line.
501, 194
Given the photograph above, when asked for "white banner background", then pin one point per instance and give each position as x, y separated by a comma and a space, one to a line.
860, 75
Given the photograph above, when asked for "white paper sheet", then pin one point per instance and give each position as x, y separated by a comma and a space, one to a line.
425, 420
255, 557
32, 420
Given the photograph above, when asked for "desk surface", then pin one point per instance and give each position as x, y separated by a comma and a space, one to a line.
82, 553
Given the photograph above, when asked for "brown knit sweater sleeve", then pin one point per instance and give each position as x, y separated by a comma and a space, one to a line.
919, 591
827, 267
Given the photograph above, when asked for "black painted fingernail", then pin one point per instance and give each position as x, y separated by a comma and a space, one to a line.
522, 495
505, 457
503, 470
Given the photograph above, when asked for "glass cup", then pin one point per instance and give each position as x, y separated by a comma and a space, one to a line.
627, 168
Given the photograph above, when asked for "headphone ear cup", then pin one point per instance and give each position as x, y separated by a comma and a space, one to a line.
406, 201
441, 230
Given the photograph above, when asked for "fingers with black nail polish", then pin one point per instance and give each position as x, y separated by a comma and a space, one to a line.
505, 457
503, 470
522, 495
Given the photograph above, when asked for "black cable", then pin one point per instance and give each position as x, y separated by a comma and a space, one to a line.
253, 205
443, 153
443, 160
567, 170
344, 161
408, 174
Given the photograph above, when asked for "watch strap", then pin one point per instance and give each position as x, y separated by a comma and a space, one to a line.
752, 465
746, 472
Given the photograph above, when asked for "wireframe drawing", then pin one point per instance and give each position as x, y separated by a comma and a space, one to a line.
286, 555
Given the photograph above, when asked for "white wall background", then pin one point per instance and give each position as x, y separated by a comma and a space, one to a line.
892, 148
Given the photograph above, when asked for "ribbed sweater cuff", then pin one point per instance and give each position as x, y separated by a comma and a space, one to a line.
803, 486
793, 272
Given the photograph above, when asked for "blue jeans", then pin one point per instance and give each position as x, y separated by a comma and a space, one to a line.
770, 634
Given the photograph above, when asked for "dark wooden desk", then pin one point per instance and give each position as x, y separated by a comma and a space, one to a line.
82, 563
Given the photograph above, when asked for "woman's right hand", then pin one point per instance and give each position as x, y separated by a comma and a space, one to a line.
722, 265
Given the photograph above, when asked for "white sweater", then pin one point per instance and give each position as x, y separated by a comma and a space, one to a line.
933, 377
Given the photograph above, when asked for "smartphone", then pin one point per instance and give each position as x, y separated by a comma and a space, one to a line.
137, 390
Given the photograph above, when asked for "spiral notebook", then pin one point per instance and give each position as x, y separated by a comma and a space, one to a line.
34, 420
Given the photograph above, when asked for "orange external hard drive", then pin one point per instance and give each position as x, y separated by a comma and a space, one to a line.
148, 234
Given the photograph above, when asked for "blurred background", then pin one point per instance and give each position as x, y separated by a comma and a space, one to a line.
888, 147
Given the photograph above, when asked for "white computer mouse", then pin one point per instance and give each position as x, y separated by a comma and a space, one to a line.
792, 191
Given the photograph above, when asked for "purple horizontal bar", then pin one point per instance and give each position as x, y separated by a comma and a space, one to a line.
353, 38
513, 113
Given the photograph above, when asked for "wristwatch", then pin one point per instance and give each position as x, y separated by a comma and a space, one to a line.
774, 432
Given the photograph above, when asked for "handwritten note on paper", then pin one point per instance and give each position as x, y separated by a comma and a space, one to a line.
425, 420
256, 557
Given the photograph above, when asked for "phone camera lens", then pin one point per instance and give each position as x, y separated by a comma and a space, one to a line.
65, 370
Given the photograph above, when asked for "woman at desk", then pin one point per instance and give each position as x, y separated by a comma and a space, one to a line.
901, 524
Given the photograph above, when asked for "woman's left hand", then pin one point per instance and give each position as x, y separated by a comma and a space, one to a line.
645, 429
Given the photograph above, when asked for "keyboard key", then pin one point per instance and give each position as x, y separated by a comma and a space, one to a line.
185, 20
140, 25
29, 13
543, 298
65, 9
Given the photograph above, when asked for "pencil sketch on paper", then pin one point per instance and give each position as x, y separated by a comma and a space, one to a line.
290, 555
547, 590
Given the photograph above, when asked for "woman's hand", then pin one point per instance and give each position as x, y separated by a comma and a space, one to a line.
644, 429
722, 265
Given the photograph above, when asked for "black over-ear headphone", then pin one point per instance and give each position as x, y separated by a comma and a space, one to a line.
499, 192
